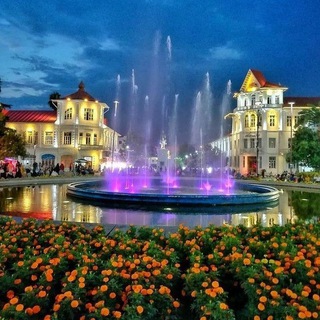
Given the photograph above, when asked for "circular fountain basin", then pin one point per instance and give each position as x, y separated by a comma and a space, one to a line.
244, 194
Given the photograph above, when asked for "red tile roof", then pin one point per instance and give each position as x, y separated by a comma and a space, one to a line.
262, 80
80, 94
302, 101
30, 116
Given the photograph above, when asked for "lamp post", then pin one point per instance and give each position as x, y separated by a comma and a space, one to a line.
258, 113
116, 103
291, 134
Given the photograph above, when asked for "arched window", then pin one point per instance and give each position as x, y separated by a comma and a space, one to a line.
252, 120
246, 121
68, 114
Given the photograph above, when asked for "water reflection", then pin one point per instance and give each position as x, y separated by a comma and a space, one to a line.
51, 202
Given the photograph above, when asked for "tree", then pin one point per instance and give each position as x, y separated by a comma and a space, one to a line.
305, 148
53, 96
12, 144
310, 117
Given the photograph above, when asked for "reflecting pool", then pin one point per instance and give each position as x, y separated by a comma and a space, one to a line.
52, 202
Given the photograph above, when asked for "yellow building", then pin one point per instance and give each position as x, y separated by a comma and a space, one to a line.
75, 130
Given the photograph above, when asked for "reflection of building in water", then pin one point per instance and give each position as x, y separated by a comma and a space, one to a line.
280, 215
75, 212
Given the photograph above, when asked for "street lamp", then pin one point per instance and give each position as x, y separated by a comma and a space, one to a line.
258, 113
291, 133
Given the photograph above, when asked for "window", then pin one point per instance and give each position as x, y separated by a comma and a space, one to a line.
272, 120
245, 143
88, 114
253, 99
269, 100
272, 142
246, 121
253, 120
68, 114
29, 137
296, 119
252, 144
81, 138
272, 162
289, 121
95, 139
88, 138
277, 100
48, 137
67, 138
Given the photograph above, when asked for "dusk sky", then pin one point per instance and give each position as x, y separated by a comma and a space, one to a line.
50, 46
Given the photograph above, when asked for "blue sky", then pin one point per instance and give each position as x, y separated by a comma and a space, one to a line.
49, 46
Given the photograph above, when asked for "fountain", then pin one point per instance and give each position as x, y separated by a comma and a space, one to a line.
166, 188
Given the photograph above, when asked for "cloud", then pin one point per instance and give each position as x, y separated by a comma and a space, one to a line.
226, 52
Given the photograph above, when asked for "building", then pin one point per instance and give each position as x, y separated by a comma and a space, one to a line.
75, 130
263, 124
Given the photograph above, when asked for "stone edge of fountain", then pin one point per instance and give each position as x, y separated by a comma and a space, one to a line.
262, 194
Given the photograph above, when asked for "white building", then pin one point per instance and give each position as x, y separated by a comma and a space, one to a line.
263, 124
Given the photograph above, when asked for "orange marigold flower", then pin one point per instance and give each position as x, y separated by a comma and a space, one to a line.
19, 307
140, 309
10, 294
261, 306
104, 288
263, 299
223, 306
105, 311
176, 304
14, 300
112, 295
74, 303
215, 284
117, 314
42, 294
29, 311
36, 309
246, 261
301, 315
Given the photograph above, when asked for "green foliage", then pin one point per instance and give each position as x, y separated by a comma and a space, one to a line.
306, 148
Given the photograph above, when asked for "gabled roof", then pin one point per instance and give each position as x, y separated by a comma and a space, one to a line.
81, 94
302, 101
255, 80
30, 116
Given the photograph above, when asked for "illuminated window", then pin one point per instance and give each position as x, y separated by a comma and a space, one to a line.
296, 119
88, 138
88, 114
68, 114
67, 138
252, 120
48, 137
272, 162
80, 138
95, 139
29, 137
272, 143
246, 121
272, 120
289, 121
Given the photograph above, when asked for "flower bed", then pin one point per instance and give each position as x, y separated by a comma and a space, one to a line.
67, 271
